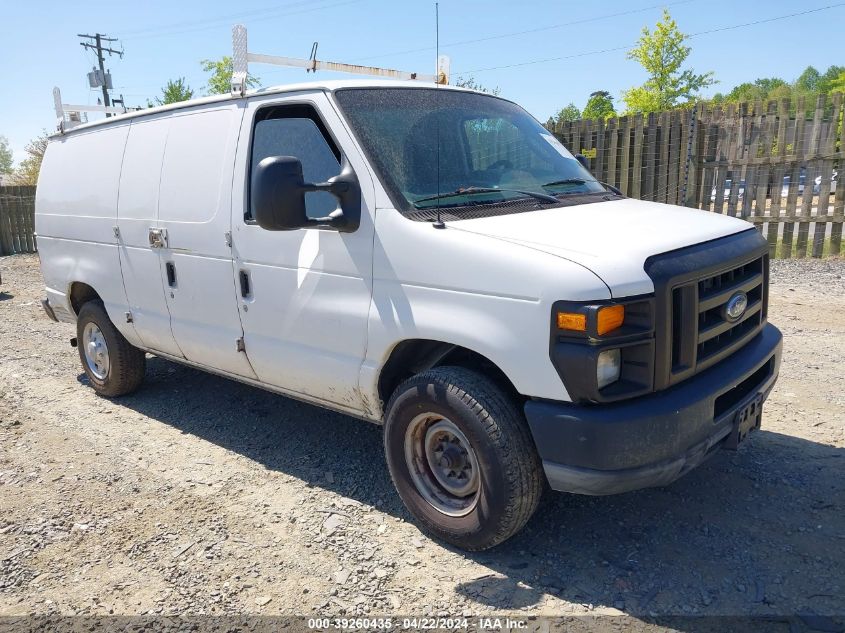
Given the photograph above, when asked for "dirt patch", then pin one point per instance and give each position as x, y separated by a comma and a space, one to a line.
200, 495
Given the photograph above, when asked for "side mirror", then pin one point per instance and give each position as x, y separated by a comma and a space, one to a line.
583, 160
278, 196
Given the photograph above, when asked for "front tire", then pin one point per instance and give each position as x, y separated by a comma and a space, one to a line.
114, 367
461, 457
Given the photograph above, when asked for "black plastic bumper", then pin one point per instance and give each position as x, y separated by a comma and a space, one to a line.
654, 439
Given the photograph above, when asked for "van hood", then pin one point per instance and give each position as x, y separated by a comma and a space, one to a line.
613, 239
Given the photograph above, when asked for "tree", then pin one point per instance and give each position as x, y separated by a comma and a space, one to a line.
175, 91
837, 84
5, 156
745, 92
569, 113
763, 89
472, 84
784, 91
809, 81
830, 79
27, 171
769, 84
220, 82
599, 106
662, 54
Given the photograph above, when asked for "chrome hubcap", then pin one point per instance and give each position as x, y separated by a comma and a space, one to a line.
96, 351
442, 464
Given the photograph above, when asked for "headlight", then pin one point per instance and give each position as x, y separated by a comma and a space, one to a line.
590, 341
608, 367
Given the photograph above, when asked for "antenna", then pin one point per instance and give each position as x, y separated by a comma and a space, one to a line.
438, 224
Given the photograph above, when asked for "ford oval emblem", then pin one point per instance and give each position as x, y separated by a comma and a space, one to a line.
736, 305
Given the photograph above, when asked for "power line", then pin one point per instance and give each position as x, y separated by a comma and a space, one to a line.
218, 22
228, 17
630, 46
549, 27
767, 20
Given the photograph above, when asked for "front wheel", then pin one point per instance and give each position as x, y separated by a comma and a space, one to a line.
461, 457
113, 366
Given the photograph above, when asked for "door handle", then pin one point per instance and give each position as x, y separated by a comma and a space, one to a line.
246, 290
170, 268
158, 238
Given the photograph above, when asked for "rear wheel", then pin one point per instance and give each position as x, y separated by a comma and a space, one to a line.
114, 367
461, 457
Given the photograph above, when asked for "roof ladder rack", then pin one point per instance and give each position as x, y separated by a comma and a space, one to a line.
69, 116
241, 58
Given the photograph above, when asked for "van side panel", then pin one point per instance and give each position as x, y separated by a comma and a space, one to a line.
305, 319
194, 208
137, 212
75, 218
470, 290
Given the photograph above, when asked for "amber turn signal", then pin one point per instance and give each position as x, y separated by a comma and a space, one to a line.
572, 321
609, 318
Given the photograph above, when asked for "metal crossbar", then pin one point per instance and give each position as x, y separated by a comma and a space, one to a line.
69, 116
241, 57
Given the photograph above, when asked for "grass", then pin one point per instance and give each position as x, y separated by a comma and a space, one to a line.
827, 251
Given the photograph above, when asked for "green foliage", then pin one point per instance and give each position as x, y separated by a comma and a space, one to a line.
175, 91
810, 84
764, 89
745, 92
471, 84
27, 171
220, 81
836, 84
599, 106
569, 113
770, 84
833, 80
5, 156
662, 54
780, 92
809, 81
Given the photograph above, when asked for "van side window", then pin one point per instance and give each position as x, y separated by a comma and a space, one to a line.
297, 131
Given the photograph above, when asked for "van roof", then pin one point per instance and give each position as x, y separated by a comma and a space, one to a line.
329, 86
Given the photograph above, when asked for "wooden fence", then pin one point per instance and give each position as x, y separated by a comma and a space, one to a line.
774, 164
17, 220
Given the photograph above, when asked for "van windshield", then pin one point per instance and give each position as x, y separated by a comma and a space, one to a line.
494, 157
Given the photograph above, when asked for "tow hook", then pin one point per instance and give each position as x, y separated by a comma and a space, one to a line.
73, 342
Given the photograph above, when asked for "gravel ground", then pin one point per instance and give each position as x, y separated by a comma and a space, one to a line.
203, 496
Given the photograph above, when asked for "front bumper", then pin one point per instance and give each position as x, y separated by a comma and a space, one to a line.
652, 440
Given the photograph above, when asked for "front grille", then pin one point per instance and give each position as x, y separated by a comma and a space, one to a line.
714, 335
691, 287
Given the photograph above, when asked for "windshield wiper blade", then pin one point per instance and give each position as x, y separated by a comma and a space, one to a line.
566, 181
468, 191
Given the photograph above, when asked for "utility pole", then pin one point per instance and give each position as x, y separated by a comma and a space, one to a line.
97, 45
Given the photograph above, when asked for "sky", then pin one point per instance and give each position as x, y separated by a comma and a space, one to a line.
541, 54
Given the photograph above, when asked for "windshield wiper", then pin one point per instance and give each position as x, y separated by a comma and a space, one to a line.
468, 191
566, 181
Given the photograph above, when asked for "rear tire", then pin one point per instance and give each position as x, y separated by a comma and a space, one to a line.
461, 457
114, 367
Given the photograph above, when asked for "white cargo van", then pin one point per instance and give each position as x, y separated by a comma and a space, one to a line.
430, 259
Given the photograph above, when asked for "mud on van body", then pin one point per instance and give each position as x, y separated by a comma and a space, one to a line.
428, 259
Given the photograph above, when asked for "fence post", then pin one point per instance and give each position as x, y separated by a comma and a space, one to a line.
691, 137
